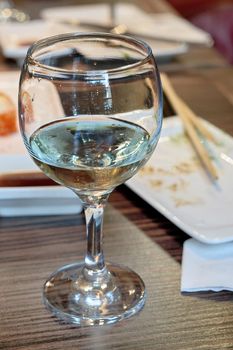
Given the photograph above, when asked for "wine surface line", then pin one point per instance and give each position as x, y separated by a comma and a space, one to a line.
90, 154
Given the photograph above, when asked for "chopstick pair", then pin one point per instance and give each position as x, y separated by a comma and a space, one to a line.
192, 124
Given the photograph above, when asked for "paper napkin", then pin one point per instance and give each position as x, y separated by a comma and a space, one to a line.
206, 266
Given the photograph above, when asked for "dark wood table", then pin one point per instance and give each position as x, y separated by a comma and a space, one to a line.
135, 235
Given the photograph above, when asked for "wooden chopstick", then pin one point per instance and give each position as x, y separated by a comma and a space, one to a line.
197, 122
190, 121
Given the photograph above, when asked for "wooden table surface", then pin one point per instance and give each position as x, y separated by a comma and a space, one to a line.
32, 247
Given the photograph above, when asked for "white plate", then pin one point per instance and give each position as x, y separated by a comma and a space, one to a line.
125, 13
39, 200
174, 182
15, 38
9, 84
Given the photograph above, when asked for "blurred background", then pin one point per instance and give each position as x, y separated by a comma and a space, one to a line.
214, 16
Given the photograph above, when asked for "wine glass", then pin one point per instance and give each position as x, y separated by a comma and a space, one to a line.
90, 110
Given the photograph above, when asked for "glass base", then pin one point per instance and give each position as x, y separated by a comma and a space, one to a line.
75, 296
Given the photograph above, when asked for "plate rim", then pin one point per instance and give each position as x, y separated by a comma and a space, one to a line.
156, 204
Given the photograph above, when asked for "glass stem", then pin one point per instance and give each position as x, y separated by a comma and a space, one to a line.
94, 259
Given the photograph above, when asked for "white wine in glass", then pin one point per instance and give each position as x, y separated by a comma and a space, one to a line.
102, 129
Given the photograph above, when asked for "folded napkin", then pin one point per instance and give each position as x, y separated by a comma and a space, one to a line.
165, 25
206, 266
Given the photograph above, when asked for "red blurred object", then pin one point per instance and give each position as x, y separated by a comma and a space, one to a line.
219, 23
215, 17
189, 8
